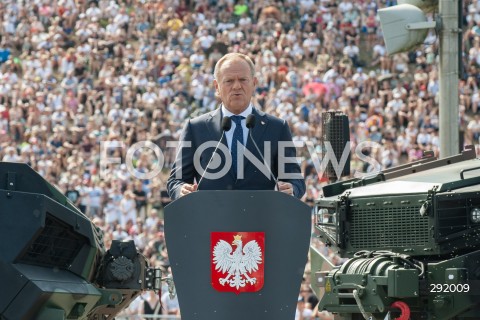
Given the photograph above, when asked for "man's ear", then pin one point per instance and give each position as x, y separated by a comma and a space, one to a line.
217, 90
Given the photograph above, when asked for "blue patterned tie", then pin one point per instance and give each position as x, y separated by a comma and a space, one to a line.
237, 136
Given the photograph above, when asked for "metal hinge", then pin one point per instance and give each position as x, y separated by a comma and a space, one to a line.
425, 208
344, 197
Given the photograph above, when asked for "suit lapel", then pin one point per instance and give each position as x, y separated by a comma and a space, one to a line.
214, 125
260, 126
261, 123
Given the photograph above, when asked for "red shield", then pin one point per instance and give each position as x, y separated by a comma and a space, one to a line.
237, 261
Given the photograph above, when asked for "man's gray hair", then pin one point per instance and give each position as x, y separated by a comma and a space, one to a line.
233, 56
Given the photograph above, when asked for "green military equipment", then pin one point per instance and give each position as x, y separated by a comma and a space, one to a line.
53, 261
412, 236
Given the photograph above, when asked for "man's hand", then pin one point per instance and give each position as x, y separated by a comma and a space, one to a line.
285, 187
188, 188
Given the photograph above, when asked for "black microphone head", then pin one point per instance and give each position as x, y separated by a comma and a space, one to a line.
250, 122
226, 123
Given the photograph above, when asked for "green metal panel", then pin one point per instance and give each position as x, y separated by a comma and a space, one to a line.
403, 283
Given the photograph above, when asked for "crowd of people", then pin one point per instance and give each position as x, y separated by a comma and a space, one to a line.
84, 81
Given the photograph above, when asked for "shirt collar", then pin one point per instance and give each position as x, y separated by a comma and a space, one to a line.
245, 112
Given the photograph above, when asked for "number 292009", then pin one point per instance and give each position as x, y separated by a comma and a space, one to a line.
449, 288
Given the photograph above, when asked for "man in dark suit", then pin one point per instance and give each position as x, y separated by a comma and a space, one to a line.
235, 83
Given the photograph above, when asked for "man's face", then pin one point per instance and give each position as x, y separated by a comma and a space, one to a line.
235, 85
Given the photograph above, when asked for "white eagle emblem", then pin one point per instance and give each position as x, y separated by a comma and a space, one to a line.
239, 263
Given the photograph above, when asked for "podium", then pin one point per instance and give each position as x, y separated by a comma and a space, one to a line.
194, 228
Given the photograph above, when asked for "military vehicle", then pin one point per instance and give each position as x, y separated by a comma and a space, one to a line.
53, 261
412, 236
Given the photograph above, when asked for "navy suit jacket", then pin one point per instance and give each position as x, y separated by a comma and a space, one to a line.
207, 128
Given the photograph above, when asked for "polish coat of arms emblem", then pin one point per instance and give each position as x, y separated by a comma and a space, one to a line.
237, 261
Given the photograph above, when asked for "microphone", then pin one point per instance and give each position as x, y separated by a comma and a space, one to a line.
250, 124
226, 125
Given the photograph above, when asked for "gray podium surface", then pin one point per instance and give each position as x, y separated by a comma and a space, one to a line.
286, 224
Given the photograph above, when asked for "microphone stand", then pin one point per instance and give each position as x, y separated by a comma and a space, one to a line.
226, 125
250, 124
